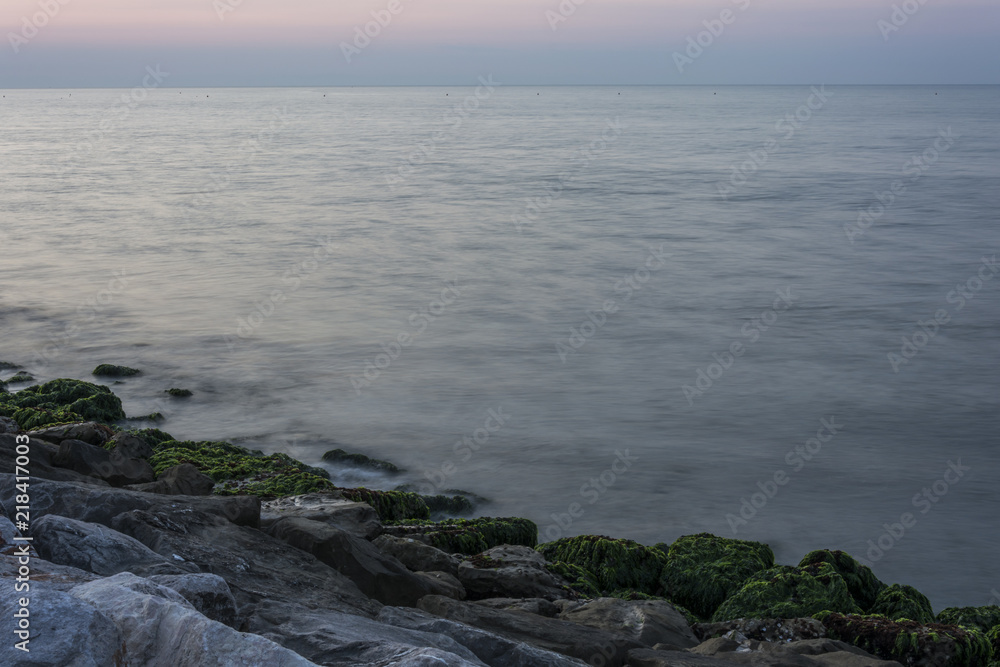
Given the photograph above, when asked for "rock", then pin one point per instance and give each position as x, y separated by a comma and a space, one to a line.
702, 570
416, 555
470, 536
377, 575
112, 371
180, 480
832, 652
62, 401
899, 602
862, 583
648, 622
257, 567
764, 629
789, 592
64, 631
651, 658
511, 572
612, 565
333, 638
93, 461
208, 593
43, 573
539, 606
8, 425
131, 446
360, 460
91, 433
442, 583
160, 628
359, 519
179, 393
578, 641
101, 505
984, 618
493, 649
40, 454
95, 548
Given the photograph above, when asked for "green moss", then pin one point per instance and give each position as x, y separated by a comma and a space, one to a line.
861, 581
153, 436
898, 602
152, 417
580, 581
983, 618
448, 504
240, 471
391, 505
360, 460
112, 371
20, 376
789, 592
179, 393
910, 642
703, 570
61, 402
615, 565
473, 536
993, 637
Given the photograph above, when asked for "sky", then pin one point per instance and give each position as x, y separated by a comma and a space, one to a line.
110, 43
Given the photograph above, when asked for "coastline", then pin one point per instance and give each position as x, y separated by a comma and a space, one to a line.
95, 481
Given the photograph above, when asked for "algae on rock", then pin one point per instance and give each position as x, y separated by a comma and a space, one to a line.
113, 371
899, 602
62, 401
614, 565
861, 581
789, 592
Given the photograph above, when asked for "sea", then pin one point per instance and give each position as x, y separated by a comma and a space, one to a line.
769, 313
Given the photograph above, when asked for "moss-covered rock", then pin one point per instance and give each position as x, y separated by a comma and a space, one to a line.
449, 504
615, 565
112, 371
899, 602
391, 505
240, 471
7, 365
703, 570
179, 393
61, 401
469, 536
20, 377
993, 637
789, 592
983, 618
153, 436
861, 581
360, 460
580, 581
910, 642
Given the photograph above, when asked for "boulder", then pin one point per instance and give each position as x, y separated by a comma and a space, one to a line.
442, 583
578, 641
41, 454
651, 658
835, 653
538, 606
64, 631
648, 622
94, 461
8, 425
511, 572
179, 480
898, 602
764, 629
611, 565
862, 583
208, 593
95, 548
131, 446
91, 433
357, 518
789, 592
416, 555
100, 505
493, 649
377, 575
256, 566
43, 573
330, 637
160, 628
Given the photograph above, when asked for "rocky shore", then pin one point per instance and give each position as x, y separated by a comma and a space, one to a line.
124, 546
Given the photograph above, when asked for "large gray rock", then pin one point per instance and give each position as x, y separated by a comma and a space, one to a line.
764, 629
511, 572
256, 566
55, 577
359, 519
160, 628
64, 632
329, 637
417, 556
8, 425
41, 454
130, 446
539, 606
578, 641
95, 548
90, 432
493, 649
100, 505
208, 593
93, 461
377, 575
442, 583
647, 657
179, 480
648, 622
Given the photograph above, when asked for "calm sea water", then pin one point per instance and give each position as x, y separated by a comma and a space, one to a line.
568, 258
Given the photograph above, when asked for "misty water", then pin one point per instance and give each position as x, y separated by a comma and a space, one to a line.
379, 269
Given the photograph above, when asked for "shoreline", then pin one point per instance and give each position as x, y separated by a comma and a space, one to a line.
72, 434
